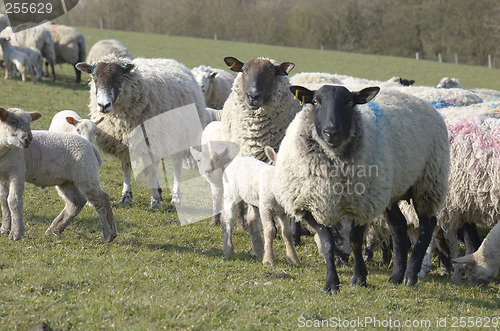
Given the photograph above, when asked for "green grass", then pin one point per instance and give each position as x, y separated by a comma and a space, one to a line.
158, 274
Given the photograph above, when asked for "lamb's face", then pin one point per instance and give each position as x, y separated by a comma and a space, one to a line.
258, 78
16, 127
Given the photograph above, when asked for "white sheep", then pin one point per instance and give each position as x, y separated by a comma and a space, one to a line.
128, 94
36, 36
69, 46
482, 266
454, 114
15, 59
107, 47
215, 84
260, 106
64, 160
447, 82
70, 121
345, 157
488, 95
36, 59
307, 78
250, 180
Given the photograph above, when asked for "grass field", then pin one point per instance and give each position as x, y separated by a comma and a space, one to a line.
158, 274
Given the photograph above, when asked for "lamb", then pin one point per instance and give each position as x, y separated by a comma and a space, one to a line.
127, 94
15, 59
260, 107
341, 158
107, 47
215, 84
70, 121
36, 59
75, 173
36, 36
250, 180
482, 266
69, 46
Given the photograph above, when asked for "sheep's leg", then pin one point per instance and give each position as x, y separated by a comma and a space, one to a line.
15, 202
399, 233
126, 198
241, 222
176, 190
450, 235
217, 194
254, 229
6, 216
471, 238
47, 70
371, 240
227, 228
444, 252
359, 268
297, 233
154, 187
100, 200
427, 261
287, 234
75, 201
327, 244
427, 225
269, 234
78, 74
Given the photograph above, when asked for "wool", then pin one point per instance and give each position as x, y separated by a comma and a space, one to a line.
107, 47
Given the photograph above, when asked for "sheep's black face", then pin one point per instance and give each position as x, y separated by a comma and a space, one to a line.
333, 109
258, 78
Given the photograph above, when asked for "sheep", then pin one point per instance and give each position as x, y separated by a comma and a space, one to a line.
59, 159
260, 107
69, 46
251, 180
215, 84
70, 121
107, 47
127, 94
454, 114
482, 266
36, 59
488, 95
447, 82
15, 59
307, 78
341, 158
36, 36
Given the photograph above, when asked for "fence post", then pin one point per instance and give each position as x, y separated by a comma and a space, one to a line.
101, 23
456, 58
489, 61
440, 59
417, 56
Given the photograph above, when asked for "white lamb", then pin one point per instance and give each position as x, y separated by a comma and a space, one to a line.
15, 59
36, 59
107, 47
345, 157
44, 158
128, 94
70, 121
250, 180
215, 84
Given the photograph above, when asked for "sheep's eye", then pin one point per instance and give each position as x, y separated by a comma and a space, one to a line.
315, 102
243, 70
350, 104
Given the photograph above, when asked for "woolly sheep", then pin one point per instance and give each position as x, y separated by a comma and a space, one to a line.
447, 82
15, 59
36, 36
250, 180
128, 93
36, 59
454, 114
75, 173
70, 121
486, 94
215, 84
307, 78
69, 46
107, 47
260, 107
482, 266
341, 158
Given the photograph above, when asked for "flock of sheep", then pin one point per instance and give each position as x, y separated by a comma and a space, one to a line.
377, 158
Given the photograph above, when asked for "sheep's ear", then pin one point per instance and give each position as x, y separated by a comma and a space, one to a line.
128, 67
85, 67
233, 63
365, 95
302, 94
467, 259
194, 152
96, 122
284, 68
410, 82
35, 115
4, 113
212, 75
71, 120
222, 154
270, 153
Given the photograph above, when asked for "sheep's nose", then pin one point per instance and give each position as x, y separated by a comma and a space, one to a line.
330, 132
104, 107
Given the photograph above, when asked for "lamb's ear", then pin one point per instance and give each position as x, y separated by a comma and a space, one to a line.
85, 67
222, 154
270, 153
4, 113
284, 68
128, 67
96, 122
194, 152
233, 63
365, 95
35, 115
212, 75
302, 94
71, 120
467, 259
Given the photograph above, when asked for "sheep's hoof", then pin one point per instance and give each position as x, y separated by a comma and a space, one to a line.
358, 281
176, 200
110, 238
410, 281
267, 261
16, 235
215, 220
396, 279
126, 199
155, 202
4, 230
332, 289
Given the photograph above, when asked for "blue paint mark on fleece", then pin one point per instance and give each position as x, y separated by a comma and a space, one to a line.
377, 111
441, 103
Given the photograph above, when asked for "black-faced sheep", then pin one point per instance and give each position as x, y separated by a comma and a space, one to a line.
344, 156
128, 94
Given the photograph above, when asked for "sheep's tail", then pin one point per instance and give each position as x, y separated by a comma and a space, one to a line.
97, 155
